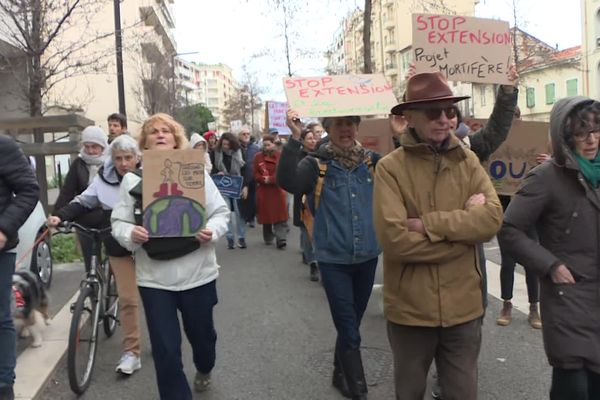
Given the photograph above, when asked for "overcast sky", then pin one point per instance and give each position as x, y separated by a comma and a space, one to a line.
249, 33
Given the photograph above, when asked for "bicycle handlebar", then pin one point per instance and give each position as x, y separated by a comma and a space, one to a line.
67, 227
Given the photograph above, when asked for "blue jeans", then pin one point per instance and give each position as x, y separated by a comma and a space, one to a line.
8, 337
196, 307
307, 248
348, 288
240, 223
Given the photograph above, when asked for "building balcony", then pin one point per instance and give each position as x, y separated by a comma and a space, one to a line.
390, 47
389, 23
153, 16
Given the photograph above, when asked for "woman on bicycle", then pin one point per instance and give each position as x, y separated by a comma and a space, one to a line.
184, 281
104, 192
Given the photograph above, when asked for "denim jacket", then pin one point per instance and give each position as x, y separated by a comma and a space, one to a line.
343, 226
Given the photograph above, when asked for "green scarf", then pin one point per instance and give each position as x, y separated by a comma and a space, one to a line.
590, 168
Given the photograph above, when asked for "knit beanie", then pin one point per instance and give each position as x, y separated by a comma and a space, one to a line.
94, 134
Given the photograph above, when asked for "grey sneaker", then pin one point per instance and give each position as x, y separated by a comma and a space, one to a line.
129, 363
201, 382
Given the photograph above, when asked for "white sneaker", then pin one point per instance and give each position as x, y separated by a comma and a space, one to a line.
129, 363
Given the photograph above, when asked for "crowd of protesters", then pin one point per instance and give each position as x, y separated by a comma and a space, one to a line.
427, 208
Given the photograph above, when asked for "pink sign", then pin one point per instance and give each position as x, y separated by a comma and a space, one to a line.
276, 112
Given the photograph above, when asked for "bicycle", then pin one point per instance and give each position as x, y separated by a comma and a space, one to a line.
97, 302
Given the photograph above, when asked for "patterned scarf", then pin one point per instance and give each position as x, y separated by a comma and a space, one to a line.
349, 158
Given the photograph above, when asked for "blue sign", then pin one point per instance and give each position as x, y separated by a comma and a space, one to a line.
228, 185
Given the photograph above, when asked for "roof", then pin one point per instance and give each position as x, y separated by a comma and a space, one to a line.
554, 58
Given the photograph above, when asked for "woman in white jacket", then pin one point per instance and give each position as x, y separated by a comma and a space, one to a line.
185, 282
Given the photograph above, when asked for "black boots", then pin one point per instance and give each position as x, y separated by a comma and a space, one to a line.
339, 380
352, 368
314, 271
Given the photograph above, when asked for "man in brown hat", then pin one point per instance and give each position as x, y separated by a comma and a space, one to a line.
433, 202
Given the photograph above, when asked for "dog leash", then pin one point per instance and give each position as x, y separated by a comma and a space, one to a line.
30, 250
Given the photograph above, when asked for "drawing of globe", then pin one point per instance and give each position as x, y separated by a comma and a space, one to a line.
174, 216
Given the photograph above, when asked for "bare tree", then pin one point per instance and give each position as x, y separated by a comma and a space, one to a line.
368, 62
38, 29
244, 102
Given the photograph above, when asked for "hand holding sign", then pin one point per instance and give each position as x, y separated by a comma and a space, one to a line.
294, 123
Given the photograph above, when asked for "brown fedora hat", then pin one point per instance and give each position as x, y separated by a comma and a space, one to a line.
427, 87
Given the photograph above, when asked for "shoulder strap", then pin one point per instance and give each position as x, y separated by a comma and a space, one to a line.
320, 181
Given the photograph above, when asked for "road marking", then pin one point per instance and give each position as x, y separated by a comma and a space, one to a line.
520, 300
36, 365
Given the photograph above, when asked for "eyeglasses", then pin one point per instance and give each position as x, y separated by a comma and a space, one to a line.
583, 136
435, 113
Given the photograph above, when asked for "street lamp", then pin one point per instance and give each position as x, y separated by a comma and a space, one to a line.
119, 54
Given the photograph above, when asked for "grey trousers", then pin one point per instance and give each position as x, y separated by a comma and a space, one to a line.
275, 231
455, 349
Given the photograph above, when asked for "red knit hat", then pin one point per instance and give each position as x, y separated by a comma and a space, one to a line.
209, 134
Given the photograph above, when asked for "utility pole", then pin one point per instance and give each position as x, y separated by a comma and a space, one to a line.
119, 53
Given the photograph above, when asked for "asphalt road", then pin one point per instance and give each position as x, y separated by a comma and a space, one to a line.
275, 340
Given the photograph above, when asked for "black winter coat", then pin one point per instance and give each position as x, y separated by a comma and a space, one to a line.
557, 199
19, 190
76, 182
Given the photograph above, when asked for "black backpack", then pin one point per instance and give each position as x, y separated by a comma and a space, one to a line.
160, 248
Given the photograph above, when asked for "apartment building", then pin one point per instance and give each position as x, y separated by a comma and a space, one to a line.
590, 49
207, 84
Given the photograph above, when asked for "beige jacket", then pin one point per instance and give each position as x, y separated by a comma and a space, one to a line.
433, 279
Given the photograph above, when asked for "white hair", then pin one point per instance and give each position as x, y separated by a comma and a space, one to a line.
125, 143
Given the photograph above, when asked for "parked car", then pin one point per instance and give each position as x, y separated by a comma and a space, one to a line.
34, 254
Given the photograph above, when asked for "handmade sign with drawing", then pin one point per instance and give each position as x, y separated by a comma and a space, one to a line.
462, 48
173, 192
340, 95
508, 165
277, 115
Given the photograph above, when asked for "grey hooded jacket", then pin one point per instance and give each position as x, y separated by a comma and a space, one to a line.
557, 199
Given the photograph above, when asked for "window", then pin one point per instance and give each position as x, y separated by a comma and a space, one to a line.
482, 92
572, 87
550, 93
530, 97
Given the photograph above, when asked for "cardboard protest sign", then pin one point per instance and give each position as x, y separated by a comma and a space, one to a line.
340, 95
462, 48
277, 115
508, 165
376, 134
229, 185
173, 192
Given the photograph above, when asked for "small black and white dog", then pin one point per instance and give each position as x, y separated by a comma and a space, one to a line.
30, 306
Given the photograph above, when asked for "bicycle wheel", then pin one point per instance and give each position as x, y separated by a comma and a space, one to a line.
83, 341
111, 303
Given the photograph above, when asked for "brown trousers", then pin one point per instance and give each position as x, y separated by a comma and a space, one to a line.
455, 349
124, 270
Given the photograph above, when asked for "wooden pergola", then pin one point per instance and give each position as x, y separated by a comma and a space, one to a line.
30, 132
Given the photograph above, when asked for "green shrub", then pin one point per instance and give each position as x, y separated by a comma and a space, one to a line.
64, 249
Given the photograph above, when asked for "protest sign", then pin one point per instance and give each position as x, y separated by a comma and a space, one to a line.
173, 192
376, 134
277, 115
509, 164
339, 95
229, 185
462, 48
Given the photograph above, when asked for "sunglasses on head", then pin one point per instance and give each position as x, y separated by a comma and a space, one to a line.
433, 113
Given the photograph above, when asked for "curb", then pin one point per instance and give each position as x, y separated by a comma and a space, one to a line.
36, 365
